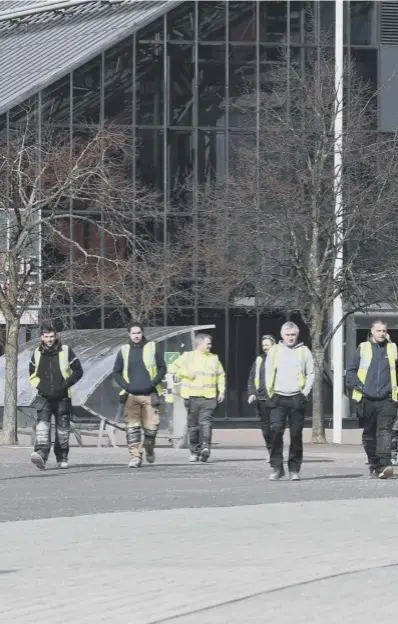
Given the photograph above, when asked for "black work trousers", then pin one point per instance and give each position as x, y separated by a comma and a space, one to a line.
287, 410
377, 418
263, 411
200, 419
62, 412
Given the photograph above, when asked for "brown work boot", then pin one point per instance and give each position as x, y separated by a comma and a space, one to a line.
386, 473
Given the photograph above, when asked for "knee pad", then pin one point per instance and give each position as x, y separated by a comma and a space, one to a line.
42, 432
133, 435
150, 433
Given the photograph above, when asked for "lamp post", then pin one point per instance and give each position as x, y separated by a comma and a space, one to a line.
337, 343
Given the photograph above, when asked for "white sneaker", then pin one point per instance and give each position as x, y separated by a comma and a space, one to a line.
193, 458
135, 463
62, 464
38, 461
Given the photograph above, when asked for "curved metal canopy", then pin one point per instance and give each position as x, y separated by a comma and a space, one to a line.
96, 350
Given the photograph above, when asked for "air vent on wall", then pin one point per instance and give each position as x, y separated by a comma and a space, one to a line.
389, 23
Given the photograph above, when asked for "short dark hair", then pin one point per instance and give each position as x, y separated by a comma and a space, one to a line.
47, 328
379, 320
135, 324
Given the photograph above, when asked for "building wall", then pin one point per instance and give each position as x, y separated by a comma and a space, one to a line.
172, 87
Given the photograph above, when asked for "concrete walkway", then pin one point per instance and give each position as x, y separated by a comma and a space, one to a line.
231, 547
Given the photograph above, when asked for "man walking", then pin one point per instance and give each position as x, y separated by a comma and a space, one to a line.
257, 391
139, 369
372, 378
202, 387
53, 370
289, 372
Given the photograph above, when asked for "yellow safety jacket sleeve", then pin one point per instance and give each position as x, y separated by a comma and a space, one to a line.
220, 378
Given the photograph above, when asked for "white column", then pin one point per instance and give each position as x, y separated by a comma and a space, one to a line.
337, 346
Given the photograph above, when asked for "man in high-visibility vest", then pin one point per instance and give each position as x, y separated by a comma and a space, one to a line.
257, 391
372, 377
139, 369
289, 374
202, 387
53, 370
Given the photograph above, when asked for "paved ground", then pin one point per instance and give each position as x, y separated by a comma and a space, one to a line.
213, 543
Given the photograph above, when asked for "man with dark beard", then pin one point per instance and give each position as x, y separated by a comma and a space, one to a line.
53, 369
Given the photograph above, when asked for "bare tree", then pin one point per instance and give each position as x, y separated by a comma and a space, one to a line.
139, 277
271, 226
52, 192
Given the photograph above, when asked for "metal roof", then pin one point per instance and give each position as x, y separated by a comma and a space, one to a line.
96, 349
41, 48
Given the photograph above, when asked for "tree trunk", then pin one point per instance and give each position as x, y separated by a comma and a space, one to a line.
318, 423
11, 384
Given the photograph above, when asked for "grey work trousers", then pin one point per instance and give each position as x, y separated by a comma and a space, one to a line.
200, 418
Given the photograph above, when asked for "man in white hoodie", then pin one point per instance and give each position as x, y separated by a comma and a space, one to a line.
289, 379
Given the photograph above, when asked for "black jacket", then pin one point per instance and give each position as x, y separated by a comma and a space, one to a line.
140, 382
52, 385
378, 380
261, 393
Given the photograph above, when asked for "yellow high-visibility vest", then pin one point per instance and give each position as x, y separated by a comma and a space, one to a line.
276, 355
366, 354
149, 359
201, 374
259, 360
64, 366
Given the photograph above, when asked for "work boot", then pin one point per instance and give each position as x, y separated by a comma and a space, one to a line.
63, 464
277, 474
150, 456
204, 454
294, 476
135, 462
38, 461
194, 457
386, 473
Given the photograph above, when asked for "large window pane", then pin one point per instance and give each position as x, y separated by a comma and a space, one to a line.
328, 19
273, 20
56, 102
149, 151
181, 83
366, 67
211, 84
119, 83
153, 32
211, 155
149, 89
211, 21
180, 148
242, 70
86, 92
301, 22
362, 23
242, 21
181, 23
3, 129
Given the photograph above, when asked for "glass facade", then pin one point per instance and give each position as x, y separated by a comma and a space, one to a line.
171, 86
